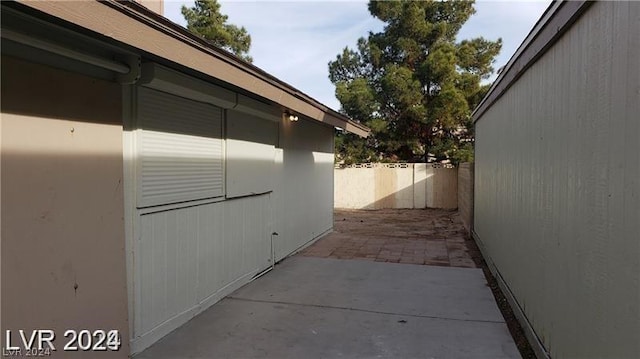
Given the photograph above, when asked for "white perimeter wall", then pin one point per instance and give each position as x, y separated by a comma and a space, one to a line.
557, 187
396, 185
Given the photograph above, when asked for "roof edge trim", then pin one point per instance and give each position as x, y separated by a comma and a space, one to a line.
555, 21
134, 25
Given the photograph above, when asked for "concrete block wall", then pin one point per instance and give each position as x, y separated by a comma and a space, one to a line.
396, 185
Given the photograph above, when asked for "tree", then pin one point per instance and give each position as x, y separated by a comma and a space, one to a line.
205, 19
413, 84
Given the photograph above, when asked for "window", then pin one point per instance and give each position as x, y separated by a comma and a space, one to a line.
179, 147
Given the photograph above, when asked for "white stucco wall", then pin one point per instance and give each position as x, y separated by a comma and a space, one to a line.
557, 187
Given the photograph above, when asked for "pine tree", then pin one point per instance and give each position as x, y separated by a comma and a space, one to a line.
205, 19
413, 84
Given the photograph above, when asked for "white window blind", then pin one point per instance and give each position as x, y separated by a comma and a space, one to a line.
180, 149
250, 154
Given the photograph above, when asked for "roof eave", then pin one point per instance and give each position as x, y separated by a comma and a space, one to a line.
555, 21
138, 27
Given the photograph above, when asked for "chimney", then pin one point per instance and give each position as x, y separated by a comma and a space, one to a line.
156, 6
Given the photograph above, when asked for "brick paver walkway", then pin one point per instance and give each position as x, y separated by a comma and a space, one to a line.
415, 236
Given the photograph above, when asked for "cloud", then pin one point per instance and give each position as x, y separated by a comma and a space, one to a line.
295, 40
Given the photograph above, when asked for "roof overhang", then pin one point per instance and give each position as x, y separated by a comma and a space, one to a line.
137, 27
555, 21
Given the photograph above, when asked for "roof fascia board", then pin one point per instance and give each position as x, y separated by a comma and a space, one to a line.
163, 79
556, 20
155, 35
256, 108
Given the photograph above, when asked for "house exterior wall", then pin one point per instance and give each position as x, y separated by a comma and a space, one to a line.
188, 255
250, 154
191, 256
303, 191
157, 215
557, 191
63, 259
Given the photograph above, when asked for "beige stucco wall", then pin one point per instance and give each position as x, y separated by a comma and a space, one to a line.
557, 187
441, 187
63, 260
412, 185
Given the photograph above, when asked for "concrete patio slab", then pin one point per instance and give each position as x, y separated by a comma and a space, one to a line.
326, 308
429, 291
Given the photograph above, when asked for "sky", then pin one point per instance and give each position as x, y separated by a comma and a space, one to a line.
295, 40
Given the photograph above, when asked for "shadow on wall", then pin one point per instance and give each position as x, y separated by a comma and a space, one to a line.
396, 185
63, 191
62, 202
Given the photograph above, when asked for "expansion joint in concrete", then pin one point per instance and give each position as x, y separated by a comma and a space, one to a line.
363, 310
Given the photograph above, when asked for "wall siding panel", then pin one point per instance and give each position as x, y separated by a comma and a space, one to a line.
303, 191
557, 191
191, 257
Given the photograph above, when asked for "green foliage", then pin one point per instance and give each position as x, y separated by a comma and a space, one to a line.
413, 84
205, 20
